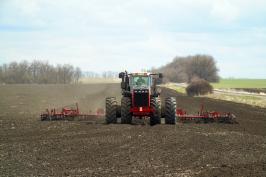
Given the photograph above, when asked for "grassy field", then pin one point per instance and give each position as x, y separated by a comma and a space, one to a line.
240, 83
253, 100
175, 87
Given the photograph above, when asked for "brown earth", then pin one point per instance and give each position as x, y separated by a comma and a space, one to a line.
29, 147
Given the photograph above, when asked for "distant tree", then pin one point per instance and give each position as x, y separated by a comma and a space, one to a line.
77, 74
1, 74
38, 72
202, 66
184, 69
12, 75
68, 72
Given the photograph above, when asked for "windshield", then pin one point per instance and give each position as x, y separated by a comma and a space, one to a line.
140, 81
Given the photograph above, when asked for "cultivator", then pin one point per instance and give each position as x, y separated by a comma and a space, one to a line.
204, 116
70, 113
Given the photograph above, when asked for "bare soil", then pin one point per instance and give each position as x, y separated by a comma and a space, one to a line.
29, 147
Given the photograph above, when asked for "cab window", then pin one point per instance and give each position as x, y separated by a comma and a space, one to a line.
140, 81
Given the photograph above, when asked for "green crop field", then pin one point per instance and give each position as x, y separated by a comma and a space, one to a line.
240, 83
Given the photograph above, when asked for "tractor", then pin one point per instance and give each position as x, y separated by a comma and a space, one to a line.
140, 99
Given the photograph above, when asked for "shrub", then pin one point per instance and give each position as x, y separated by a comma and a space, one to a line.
199, 87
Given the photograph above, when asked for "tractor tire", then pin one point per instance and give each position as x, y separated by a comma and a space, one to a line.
118, 111
126, 117
111, 108
170, 110
156, 115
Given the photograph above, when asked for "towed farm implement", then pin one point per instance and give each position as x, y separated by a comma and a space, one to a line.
204, 116
69, 113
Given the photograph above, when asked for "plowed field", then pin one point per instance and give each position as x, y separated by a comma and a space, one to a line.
29, 147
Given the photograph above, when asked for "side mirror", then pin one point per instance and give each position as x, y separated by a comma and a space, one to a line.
121, 75
160, 75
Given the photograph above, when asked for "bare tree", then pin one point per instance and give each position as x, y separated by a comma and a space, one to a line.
38, 72
184, 69
202, 66
77, 74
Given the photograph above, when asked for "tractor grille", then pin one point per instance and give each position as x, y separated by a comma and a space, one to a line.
141, 98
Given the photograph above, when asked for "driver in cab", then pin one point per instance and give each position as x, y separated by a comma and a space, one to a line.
140, 81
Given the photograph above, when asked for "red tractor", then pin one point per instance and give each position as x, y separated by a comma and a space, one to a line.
140, 98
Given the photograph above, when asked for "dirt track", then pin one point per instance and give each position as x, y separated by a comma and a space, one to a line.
29, 147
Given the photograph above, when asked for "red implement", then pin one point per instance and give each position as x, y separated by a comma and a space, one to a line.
69, 113
205, 116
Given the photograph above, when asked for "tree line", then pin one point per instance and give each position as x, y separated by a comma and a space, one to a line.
39, 72
187, 69
181, 69
104, 74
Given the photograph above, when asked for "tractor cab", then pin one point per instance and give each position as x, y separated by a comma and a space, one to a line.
140, 81
140, 89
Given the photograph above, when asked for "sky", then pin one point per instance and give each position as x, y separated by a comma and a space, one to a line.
103, 35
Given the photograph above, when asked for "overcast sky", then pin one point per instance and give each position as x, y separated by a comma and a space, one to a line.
100, 35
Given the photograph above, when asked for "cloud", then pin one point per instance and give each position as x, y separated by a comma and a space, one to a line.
224, 10
20, 13
115, 34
